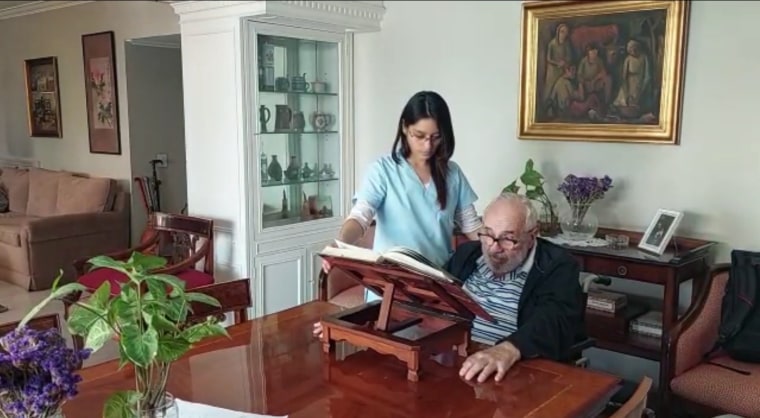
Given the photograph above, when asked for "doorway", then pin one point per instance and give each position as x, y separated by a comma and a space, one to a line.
156, 128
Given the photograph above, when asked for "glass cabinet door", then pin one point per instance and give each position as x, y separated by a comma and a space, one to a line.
298, 134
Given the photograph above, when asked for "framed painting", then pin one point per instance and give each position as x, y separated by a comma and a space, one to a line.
101, 92
43, 99
609, 71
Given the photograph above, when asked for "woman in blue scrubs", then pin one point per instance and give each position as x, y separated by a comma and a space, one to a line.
416, 193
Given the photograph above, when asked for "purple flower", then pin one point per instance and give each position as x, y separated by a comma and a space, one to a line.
37, 372
584, 190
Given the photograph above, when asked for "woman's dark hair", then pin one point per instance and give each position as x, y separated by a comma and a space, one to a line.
424, 105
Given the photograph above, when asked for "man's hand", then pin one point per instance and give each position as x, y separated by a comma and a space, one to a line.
499, 358
318, 330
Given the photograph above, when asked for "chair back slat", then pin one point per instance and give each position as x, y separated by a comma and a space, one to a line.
180, 237
233, 296
636, 405
40, 323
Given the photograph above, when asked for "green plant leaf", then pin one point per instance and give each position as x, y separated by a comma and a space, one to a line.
529, 165
98, 334
198, 332
532, 194
123, 312
104, 261
531, 178
176, 310
82, 317
121, 404
146, 262
54, 294
512, 187
99, 299
139, 347
202, 298
172, 281
171, 349
160, 323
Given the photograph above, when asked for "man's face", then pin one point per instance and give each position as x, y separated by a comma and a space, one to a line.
504, 239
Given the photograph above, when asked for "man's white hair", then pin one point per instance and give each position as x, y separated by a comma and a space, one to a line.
531, 215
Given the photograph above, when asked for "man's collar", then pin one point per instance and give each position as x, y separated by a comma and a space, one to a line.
528, 263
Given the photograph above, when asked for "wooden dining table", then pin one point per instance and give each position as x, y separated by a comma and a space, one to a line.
274, 365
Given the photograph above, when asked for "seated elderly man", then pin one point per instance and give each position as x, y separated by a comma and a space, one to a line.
528, 285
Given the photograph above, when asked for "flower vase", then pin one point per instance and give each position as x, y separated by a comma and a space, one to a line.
548, 222
167, 408
579, 222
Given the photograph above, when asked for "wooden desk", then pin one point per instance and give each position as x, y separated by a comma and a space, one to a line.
274, 365
684, 259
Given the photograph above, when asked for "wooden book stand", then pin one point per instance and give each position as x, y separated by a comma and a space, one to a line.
417, 317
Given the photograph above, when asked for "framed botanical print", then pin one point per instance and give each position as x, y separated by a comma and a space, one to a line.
101, 92
43, 97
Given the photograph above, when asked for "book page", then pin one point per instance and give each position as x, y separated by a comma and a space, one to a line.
352, 252
420, 267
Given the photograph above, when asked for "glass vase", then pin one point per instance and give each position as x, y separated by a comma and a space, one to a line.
579, 222
167, 408
548, 221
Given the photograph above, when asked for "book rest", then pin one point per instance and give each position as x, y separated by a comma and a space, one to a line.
417, 317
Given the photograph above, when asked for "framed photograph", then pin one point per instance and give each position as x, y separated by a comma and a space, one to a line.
610, 71
43, 99
660, 231
101, 92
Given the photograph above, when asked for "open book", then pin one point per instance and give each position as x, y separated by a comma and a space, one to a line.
400, 256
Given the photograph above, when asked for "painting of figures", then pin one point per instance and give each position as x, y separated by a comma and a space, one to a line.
43, 97
602, 70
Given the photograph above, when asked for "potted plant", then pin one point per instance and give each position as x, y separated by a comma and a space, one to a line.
38, 373
533, 182
148, 319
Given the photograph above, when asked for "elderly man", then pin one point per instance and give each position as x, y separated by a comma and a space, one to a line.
529, 286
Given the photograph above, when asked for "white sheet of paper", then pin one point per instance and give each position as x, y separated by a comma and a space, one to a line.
196, 410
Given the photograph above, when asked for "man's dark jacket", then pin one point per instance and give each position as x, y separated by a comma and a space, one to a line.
551, 308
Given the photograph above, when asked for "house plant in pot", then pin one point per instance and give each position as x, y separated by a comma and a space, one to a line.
533, 182
148, 319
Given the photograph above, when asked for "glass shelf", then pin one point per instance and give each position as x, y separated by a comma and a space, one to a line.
298, 135
274, 183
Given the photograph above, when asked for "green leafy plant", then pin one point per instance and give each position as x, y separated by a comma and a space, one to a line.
148, 318
533, 182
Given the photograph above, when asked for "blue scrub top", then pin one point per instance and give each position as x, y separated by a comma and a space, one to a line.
407, 211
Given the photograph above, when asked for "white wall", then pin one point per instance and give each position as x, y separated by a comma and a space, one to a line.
59, 33
469, 52
156, 125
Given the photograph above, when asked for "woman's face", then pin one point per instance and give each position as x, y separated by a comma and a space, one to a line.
423, 138
562, 34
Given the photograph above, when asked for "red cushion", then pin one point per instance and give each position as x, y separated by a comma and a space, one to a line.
95, 278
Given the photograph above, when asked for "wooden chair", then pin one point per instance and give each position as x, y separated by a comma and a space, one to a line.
637, 403
187, 242
720, 385
40, 323
234, 296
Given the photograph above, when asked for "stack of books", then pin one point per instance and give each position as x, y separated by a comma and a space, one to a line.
609, 302
649, 324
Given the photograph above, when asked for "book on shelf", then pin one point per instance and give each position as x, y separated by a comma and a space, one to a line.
649, 324
398, 256
605, 301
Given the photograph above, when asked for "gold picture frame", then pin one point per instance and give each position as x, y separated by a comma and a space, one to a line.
43, 98
602, 71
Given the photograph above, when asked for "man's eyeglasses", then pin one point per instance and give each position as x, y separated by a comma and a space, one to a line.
504, 242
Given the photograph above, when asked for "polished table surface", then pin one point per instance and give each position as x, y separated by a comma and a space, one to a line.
274, 365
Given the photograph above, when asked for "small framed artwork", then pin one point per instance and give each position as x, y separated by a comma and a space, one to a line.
660, 231
99, 56
42, 97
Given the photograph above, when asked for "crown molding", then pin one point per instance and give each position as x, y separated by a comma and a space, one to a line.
155, 44
353, 16
35, 7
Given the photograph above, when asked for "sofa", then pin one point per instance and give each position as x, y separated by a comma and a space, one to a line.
48, 219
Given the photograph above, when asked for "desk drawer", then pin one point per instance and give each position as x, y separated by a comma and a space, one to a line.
625, 269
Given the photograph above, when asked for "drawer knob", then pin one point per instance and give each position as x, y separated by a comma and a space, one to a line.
622, 270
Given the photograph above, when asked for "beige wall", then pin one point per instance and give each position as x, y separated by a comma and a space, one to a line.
470, 53
59, 33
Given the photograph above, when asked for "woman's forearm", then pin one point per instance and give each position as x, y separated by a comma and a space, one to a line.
351, 231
